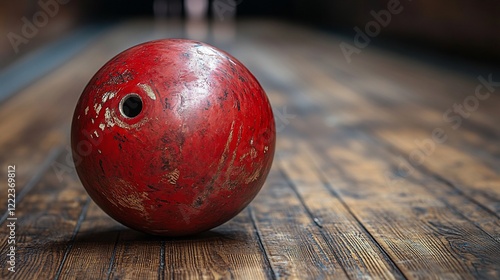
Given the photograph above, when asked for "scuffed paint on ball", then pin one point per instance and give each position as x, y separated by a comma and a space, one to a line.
173, 137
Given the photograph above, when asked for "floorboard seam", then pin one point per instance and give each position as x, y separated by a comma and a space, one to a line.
313, 218
335, 194
261, 244
79, 222
365, 230
161, 268
113, 257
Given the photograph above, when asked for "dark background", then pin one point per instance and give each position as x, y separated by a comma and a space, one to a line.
462, 29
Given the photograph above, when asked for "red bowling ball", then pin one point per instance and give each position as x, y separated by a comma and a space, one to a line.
173, 137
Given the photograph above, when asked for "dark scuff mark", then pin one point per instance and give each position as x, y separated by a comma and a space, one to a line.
120, 78
165, 140
102, 169
153, 187
198, 202
165, 164
119, 137
181, 105
180, 139
167, 104
223, 98
238, 104
233, 70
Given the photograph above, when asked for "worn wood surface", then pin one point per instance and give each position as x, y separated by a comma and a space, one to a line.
374, 176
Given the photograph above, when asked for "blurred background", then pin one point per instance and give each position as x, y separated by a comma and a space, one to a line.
454, 28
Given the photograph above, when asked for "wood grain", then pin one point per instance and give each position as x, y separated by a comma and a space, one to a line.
93, 250
280, 218
360, 254
227, 252
399, 214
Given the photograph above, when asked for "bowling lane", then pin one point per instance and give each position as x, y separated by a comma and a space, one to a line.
386, 166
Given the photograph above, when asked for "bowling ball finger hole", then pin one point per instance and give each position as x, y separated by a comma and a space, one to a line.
131, 105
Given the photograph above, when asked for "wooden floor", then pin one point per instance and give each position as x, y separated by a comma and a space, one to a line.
378, 174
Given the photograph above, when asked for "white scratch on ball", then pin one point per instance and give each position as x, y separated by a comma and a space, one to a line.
108, 95
102, 126
108, 118
86, 110
97, 109
173, 176
148, 90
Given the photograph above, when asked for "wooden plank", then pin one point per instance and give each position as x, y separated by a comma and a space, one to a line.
463, 171
420, 233
93, 249
455, 200
136, 256
230, 251
47, 220
354, 247
27, 185
414, 131
297, 247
